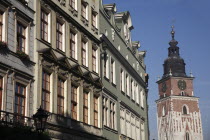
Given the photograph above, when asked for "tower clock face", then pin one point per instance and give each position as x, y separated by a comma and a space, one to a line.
164, 87
182, 84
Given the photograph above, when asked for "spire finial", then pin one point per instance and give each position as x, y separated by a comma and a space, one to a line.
172, 32
170, 72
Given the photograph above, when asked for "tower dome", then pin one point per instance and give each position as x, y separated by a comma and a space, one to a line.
174, 65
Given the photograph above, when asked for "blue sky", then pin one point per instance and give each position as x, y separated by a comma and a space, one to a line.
152, 20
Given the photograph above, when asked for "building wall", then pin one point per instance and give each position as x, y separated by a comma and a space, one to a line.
130, 107
13, 68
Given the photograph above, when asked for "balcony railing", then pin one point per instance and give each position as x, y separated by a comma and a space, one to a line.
15, 120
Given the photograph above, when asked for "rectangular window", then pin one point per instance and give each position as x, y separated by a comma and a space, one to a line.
1, 25
60, 103
142, 99
73, 45
122, 80
84, 10
85, 107
20, 97
44, 25
94, 59
72, 4
142, 131
131, 89
94, 18
1, 91
95, 111
59, 35
45, 91
122, 121
112, 71
127, 85
84, 51
128, 124
74, 102
105, 110
137, 94
21, 37
105, 67
112, 115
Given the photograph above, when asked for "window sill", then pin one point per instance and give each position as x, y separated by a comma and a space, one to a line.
133, 100
114, 85
84, 20
60, 51
45, 42
110, 129
94, 29
123, 92
106, 78
142, 108
73, 11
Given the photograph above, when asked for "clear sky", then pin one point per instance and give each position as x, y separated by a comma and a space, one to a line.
152, 20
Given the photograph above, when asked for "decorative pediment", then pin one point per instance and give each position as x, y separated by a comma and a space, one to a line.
110, 7
58, 55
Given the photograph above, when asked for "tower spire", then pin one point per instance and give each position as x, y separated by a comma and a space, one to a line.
172, 32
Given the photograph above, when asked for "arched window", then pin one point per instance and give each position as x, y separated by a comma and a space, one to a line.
163, 111
187, 136
185, 110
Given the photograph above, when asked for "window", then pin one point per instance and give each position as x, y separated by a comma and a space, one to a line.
74, 102
44, 25
137, 94
182, 93
84, 10
59, 35
72, 44
96, 111
122, 121
85, 107
142, 99
20, 97
112, 78
163, 111
132, 89
45, 91
122, 80
1, 26
133, 126
185, 110
127, 85
60, 104
94, 59
21, 37
187, 136
105, 111
128, 124
138, 129
72, 3
84, 53
1, 91
94, 18
106, 66
142, 131
112, 115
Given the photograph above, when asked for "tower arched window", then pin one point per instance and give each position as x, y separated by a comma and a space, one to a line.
164, 111
185, 111
187, 136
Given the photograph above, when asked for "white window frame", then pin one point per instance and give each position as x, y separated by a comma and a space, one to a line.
113, 80
4, 20
63, 31
27, 33
142, 98
122, 82
137, 94
128, 85
49, 17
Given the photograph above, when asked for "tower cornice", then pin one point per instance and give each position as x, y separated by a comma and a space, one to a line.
192, 98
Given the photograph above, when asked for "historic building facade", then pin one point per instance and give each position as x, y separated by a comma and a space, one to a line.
16, 58
75, 59
178, 112
67, 71
124, 78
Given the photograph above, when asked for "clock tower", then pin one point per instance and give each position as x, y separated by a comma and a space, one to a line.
178, 113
